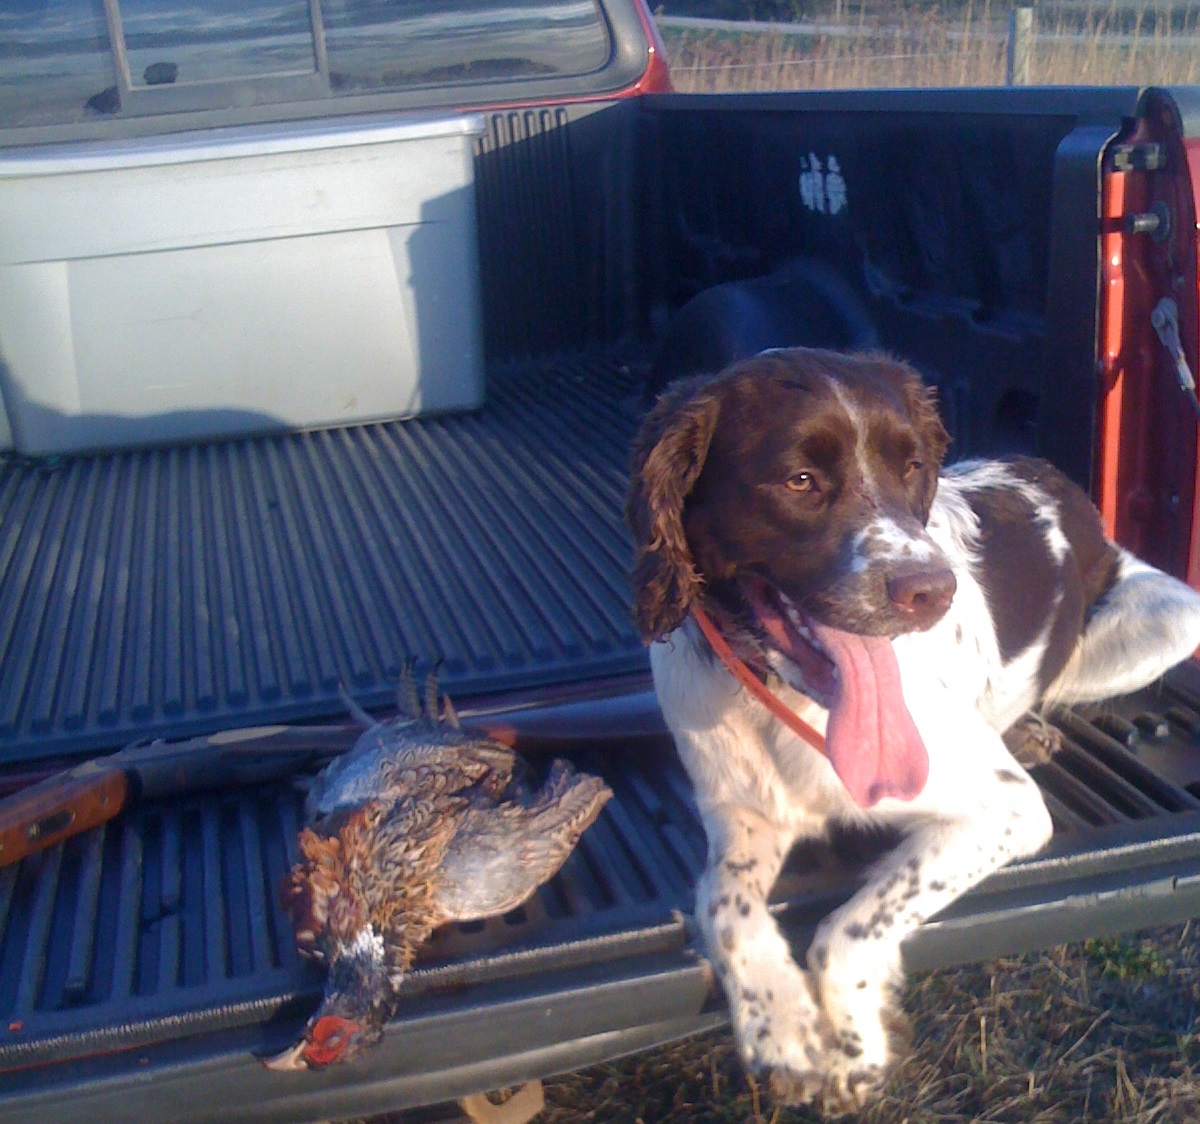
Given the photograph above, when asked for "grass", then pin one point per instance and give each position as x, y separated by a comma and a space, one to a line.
1099, 1031
906, 45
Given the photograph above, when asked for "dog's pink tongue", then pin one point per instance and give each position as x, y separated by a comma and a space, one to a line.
872, 742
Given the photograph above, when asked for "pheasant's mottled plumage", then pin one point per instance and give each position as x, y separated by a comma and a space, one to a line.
421, 823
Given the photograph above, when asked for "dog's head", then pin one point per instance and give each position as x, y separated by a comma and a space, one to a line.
790, 492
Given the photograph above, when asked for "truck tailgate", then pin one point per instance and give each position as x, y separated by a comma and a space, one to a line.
150, 957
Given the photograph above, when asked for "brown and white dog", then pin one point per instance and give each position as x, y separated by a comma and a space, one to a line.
793, 503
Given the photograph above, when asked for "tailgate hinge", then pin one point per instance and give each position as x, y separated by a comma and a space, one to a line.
1165, 319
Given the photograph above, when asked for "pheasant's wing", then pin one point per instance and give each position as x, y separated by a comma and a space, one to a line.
404, 879
502, 852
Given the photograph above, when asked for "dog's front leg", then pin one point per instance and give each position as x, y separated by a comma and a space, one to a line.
776, 1020
855, 955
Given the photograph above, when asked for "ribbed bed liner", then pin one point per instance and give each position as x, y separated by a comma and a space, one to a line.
165, 923
233, 583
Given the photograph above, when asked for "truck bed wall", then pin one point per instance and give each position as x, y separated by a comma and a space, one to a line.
555, 190
962, 221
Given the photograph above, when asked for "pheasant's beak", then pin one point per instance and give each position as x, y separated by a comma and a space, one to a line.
290, 1059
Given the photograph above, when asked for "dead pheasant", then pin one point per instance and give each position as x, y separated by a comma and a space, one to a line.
421, 823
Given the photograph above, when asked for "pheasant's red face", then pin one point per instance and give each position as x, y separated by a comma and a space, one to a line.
329, 1038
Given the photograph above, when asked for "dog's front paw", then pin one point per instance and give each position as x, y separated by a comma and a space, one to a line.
787, 1040
830, 1092
863, 1032
853, 1067
833, 1077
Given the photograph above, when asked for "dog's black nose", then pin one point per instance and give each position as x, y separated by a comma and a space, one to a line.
922, 593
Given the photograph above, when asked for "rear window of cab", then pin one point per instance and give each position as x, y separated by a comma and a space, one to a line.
71, 62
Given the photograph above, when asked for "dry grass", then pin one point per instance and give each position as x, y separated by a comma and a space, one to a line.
1103, 1031
905, 46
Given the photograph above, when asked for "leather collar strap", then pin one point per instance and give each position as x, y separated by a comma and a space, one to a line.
738, 669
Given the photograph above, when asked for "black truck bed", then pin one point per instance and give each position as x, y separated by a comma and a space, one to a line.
148, 958
186, 589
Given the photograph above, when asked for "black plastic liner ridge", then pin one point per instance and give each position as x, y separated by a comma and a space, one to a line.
189, 589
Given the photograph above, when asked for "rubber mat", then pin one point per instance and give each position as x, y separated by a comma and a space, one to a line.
190, 589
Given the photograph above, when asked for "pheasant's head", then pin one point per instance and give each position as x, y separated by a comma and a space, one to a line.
352, 1012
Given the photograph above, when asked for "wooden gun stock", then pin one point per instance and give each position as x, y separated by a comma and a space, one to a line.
59, 807
67, 803
64, 804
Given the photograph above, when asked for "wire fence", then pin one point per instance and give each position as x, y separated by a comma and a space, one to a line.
1109, 46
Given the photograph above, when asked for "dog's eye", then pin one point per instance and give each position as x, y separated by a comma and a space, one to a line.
912, 468
803, 482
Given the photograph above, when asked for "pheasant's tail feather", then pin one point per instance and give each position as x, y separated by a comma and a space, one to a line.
408, 701
436, 707
433, 707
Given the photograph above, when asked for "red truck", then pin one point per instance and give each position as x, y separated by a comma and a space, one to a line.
323, 338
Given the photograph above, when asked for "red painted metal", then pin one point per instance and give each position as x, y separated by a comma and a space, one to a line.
1145, 468
654, 79
1192, 150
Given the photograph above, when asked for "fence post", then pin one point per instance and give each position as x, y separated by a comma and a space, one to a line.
1020, 46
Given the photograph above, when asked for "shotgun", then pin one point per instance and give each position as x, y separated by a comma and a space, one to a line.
67, 803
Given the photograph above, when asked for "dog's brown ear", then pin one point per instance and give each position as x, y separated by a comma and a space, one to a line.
668, 455
923, 409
